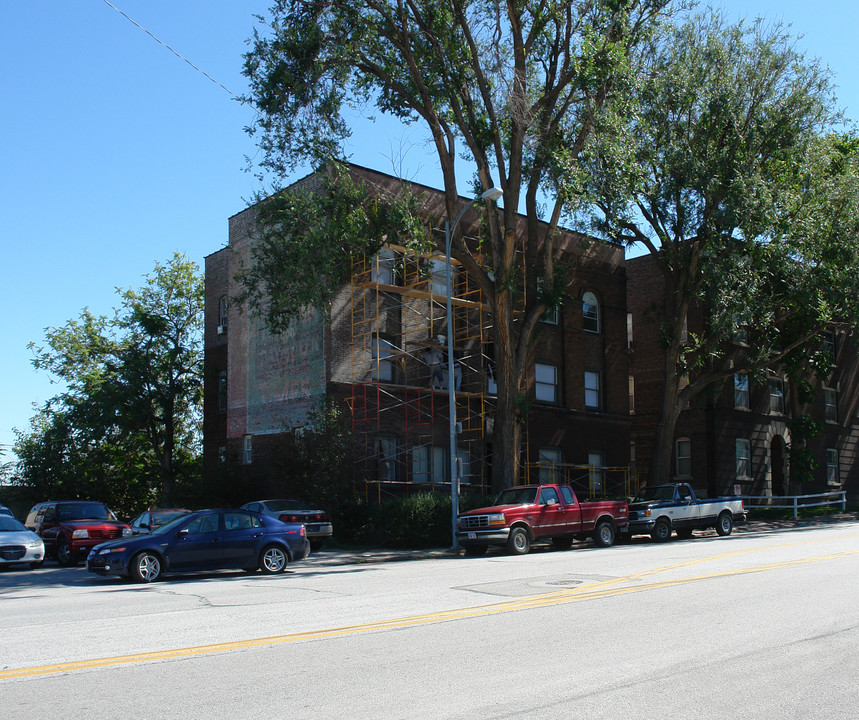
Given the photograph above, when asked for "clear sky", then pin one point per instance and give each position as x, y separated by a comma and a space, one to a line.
116, 153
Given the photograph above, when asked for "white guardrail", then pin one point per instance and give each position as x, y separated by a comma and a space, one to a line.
796, 501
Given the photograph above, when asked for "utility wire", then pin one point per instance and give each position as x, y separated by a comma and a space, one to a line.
202, 72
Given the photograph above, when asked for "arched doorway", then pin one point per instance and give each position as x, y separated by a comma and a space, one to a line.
778, 463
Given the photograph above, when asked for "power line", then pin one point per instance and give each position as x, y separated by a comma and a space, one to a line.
181, 57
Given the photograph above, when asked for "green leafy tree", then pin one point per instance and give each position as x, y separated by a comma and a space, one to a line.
510, 91
733, 181
127, 426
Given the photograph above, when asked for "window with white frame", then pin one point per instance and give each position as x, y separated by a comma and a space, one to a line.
546, 383
247, 449
683, 457
552, 315
833, 472
743, 452
222, 391
741, 391
384, 263
828, 346
830, 405
629, 329
223, 305
386, 457
776, 386
383, 368
590, 312
596, 459
631, 395
549, 458
592, 390
438, 269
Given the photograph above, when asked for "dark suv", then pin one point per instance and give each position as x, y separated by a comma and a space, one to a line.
70, 528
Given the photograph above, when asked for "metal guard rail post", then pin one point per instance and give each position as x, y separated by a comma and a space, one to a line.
839, 496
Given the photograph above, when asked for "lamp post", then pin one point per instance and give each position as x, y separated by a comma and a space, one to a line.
491, 194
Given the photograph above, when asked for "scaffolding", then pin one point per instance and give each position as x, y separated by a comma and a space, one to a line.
399, 373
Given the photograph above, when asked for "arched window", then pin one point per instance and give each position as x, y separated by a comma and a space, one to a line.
590, 312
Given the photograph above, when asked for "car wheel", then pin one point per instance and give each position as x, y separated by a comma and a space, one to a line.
605, 533
65, 556
273, 560
725, 524
36, 565
518, 543
475, 550
661, 531
563, 542
146, 567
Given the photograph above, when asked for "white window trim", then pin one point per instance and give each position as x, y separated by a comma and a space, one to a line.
554, 384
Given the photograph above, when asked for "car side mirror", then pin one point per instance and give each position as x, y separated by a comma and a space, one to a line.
551, 501
182, 533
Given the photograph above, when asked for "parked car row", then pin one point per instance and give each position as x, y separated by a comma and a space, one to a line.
265, 535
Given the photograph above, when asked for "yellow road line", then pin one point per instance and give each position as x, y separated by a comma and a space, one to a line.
587, 592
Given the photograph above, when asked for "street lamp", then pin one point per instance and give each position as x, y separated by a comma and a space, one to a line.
493, 193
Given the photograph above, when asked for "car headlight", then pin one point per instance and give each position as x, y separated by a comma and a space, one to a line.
496, 519
80, 534
126, 532
108, 550
33, 544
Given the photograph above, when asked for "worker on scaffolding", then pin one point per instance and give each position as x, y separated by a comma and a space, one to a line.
435, 358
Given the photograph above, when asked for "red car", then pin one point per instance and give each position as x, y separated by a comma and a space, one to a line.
70, 528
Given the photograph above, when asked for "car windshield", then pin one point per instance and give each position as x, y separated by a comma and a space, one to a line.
10, 524
517, 496
84, 511
657, 492
283, 505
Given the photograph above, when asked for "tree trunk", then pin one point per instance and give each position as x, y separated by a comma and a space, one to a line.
507, 431
663, 440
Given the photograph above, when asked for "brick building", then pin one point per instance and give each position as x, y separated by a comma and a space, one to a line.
739, 434
382, 354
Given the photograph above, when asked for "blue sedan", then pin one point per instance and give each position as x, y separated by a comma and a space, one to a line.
204, 540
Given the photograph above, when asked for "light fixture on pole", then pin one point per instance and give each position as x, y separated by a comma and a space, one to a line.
493, 193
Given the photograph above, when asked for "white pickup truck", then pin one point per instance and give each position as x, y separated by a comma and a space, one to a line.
659, 510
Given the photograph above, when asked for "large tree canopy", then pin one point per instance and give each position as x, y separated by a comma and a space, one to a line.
127, 427
734, 182
512, 91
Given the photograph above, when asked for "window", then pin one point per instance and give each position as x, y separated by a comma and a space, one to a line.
438, 270
830, 405
223, 304
776, 396
596, 459
383, 270
683, 457
383, 367
386, 453
629, 330
247, 449
548, 458
743, 454
222, 391
590, 312
241, 521
827, 344
552, 315
548, 495
592, 390
222, 454
631, 395
203, 524
546, 383
741, 391
833, 473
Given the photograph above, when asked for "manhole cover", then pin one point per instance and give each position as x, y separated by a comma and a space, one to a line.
565, 582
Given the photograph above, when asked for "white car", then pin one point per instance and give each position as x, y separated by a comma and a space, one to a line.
316, 522
19, 545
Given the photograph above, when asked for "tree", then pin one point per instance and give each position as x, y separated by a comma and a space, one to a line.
512, 90
127, 426
733, 182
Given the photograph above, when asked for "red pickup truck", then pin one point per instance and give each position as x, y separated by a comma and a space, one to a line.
528, 513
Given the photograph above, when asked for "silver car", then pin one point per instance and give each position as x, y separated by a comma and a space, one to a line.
19, 545
317, 523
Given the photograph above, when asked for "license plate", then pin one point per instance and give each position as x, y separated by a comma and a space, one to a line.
472, 536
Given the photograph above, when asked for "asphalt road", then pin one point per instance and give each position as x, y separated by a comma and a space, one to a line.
757, 625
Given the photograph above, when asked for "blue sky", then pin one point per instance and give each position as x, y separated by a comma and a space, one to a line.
116, 153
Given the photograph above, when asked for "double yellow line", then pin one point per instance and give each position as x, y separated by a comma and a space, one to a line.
606, 588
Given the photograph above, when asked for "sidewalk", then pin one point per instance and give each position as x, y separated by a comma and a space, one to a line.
334, 556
